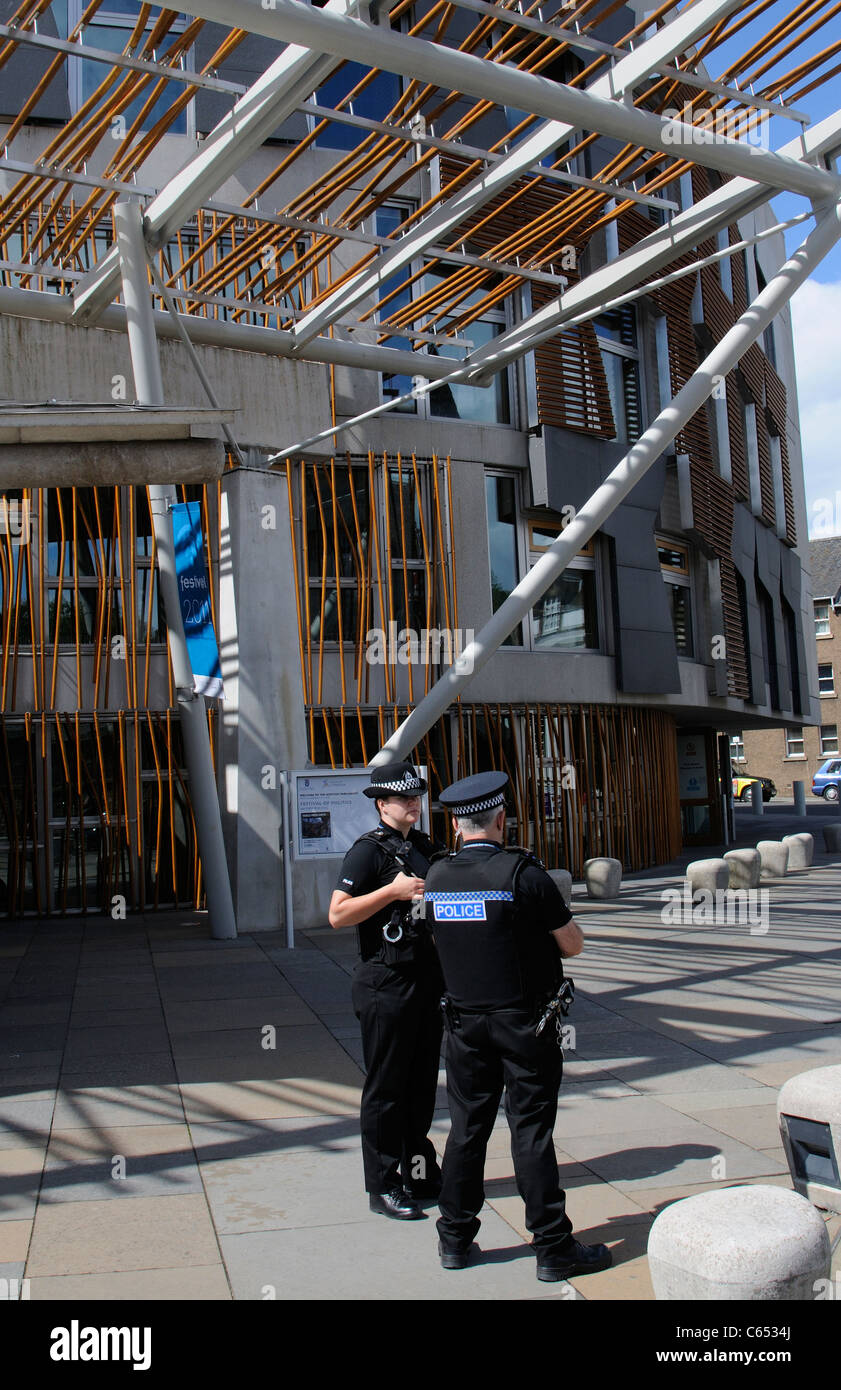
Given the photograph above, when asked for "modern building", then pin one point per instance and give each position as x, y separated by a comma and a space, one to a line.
796, 752
434, 303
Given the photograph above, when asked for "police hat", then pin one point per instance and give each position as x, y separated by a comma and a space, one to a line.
482, 792
395, 779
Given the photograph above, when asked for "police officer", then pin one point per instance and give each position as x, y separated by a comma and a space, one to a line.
501, 928
396, 994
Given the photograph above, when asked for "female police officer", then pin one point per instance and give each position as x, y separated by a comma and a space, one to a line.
397, 987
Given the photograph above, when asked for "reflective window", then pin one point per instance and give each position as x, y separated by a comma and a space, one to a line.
501, 501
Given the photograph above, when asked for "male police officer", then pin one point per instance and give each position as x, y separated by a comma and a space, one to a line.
501, 927
396, 991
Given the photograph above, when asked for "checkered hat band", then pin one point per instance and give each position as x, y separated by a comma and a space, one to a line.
471, 807
412, 786
492, 895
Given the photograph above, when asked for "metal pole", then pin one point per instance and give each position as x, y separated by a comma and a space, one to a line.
148, 384
617, 485
287, 831
756, 799
799, 790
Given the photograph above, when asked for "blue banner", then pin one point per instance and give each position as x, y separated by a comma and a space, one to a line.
194, 597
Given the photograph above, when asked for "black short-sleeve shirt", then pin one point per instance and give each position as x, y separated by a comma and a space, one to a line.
368, 865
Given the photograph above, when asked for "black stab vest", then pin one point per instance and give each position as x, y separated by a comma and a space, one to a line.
490, 957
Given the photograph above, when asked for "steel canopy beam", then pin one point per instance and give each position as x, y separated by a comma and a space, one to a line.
593, 109
604, 501
275, 96
721, 207
621, 79
274, 342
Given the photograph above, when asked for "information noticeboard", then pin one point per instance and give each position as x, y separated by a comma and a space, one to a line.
692, 767
331, 810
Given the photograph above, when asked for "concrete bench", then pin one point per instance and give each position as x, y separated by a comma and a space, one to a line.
801, 850
708, 873
562, 880
773, 855
757, 1243
832, 837
809, 1111
744, 867
603, 877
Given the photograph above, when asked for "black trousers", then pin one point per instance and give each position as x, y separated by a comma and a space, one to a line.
486, 1053
398, 1010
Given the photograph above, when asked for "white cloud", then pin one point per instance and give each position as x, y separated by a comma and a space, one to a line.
816, 324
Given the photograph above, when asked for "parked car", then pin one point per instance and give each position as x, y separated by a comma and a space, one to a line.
742, 786
827, 780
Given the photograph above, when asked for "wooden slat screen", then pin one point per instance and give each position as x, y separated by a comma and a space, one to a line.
584, 780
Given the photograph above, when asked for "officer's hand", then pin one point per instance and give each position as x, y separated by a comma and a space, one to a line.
405, 887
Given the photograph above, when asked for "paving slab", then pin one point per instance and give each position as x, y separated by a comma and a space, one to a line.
26, 1123
96, 1107
141, 1233
278, 1191
193, 1017
319, 1134
20, 1180
684, 1154
122, 1069
119, 1164
205, 1283
251, 1100
14, 1239
386, 1261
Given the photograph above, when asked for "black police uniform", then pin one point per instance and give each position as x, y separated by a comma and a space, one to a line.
396, 995
492, 911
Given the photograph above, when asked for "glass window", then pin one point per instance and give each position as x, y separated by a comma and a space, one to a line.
111, 28
566, 616
388, 219
829, 738
826, 680
501, 499
674, 566
794, 743
737, 748
822, 619
617, 335
376, 100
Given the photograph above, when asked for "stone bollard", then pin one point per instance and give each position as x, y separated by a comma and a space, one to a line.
562, 880
744, 866
801, 850
773, 855
809, 1111
757, 1243
603, 877
708, 873
799, 793
832, 837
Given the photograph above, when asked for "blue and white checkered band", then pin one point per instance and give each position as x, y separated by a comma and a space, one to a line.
466, 907
471, 808
404, 787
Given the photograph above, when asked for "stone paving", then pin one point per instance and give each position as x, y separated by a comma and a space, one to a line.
154, 1144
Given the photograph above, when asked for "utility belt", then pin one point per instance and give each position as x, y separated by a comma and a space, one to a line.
555, 1006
